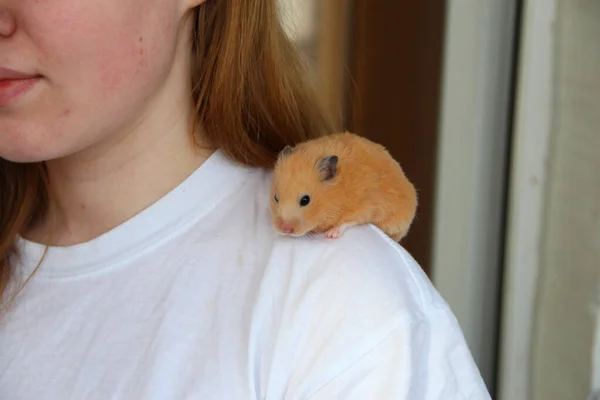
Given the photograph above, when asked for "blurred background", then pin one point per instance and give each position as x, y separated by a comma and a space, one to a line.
493, 109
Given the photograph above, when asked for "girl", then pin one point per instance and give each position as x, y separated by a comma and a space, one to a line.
137, 259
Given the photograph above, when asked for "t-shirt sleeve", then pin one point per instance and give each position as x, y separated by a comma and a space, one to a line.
362, 321
420, 359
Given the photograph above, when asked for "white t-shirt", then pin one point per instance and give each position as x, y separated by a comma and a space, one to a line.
197, 297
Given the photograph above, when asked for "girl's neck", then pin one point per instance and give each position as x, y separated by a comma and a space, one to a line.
101, 187
96, 189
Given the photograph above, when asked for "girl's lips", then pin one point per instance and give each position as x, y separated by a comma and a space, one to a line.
11, 89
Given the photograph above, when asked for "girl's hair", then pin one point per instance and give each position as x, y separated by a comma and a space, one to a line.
252, 97
249, 82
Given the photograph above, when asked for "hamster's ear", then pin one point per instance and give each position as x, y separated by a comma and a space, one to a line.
327, 167
285, 152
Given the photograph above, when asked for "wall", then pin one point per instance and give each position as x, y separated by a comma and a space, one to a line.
569, 275
473, 141
299, 19
394, 95
526, 200
596, 357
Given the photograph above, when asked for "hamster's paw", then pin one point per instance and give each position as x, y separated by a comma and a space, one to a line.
333, 233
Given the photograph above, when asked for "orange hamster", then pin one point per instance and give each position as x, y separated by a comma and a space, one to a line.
329, 184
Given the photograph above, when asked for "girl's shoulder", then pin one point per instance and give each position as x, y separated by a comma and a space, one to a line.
364, 265
359, 307
363, 260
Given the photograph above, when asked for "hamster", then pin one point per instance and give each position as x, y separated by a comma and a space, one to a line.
329, 184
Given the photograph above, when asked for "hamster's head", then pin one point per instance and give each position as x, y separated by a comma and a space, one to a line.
299, 192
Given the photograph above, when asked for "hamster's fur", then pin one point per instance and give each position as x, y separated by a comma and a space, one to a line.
331, 183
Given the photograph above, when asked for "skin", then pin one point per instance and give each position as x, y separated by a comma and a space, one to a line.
110, 114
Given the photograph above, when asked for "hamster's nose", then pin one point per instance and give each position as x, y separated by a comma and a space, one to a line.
285, 227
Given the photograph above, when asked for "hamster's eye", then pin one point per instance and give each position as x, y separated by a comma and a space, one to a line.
304, 200
276, 199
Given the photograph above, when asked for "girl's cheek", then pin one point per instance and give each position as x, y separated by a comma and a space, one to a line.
84, 43
118, 66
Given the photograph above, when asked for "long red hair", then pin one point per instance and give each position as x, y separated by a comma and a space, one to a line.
252, 97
